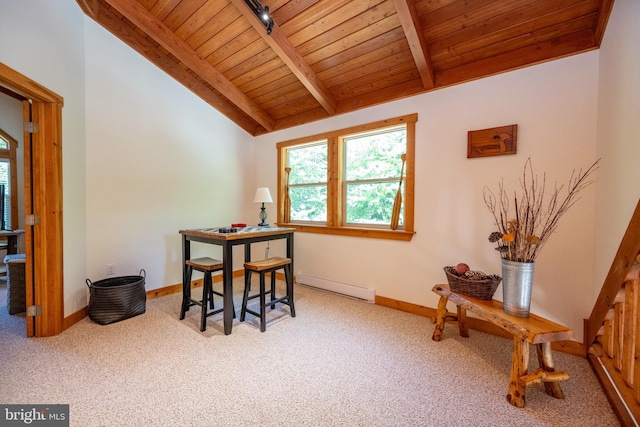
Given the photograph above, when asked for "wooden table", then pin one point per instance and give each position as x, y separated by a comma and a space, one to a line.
533, 330
12, 240
244, 236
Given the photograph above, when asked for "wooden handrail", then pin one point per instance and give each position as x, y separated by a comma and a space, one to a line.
627, 253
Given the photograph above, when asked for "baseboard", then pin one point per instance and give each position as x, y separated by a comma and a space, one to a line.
172, 289
74, 318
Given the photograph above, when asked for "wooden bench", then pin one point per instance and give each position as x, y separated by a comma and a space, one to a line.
533, 330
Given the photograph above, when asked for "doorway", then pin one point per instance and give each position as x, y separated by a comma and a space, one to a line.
42, 110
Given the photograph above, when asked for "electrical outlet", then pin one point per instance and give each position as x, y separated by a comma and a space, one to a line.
111, 269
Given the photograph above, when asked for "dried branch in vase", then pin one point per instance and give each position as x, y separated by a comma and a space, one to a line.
524, 229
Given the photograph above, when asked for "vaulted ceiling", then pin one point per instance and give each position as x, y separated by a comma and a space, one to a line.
328, 57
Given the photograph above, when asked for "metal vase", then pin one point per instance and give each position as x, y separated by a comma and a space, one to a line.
517, 283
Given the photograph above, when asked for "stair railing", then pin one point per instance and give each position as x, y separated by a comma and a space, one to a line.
613, 329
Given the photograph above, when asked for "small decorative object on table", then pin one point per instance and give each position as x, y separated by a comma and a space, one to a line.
263, 196
475, 284
226, 230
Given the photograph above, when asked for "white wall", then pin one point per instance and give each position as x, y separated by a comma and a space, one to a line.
618, 189
44, 40
554, 106
159, 159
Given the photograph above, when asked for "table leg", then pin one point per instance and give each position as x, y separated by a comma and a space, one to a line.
290, 249
291, 270
227, 287
519, 366
441, 313
546, 363
186, 285
12, 245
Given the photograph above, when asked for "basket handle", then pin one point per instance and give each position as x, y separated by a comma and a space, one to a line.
142, 273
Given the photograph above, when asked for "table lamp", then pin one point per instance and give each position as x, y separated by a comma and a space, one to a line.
262, 196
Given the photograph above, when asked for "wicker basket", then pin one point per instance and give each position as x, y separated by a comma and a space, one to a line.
117, 298
480, 289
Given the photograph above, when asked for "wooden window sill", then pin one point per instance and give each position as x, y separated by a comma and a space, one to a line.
372, 233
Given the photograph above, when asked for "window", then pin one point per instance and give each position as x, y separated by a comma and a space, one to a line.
308, 182
8, 181
346, 182
5, 202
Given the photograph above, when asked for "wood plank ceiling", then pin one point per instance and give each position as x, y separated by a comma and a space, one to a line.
328, 57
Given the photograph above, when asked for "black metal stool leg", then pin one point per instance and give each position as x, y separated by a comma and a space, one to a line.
220, 294
273, 288
205, 296
263, 316
211, 304
245, 296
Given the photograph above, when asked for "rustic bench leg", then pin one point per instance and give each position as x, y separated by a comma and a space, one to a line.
519, 366
462, 321
546, 363
441, 314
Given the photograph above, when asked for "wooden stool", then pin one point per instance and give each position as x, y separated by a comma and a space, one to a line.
207, 266
263, 267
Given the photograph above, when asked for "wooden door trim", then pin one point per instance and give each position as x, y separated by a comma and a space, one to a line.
23, 85
44, 240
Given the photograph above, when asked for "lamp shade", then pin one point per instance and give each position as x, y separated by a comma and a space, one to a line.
262, 195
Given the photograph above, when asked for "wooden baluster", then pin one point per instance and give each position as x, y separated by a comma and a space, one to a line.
618, 337
607, 336
629, 332
636, 361
634, 276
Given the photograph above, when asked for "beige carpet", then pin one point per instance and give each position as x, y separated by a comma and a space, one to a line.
340, 362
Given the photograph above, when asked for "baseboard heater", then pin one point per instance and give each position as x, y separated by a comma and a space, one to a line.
348, 289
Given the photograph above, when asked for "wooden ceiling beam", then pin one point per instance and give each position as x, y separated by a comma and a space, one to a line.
291, 57
603, 18
415, 37
177, 47
149, 49
90, 7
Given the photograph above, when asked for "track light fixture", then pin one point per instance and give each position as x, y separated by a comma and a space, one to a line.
262, 13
